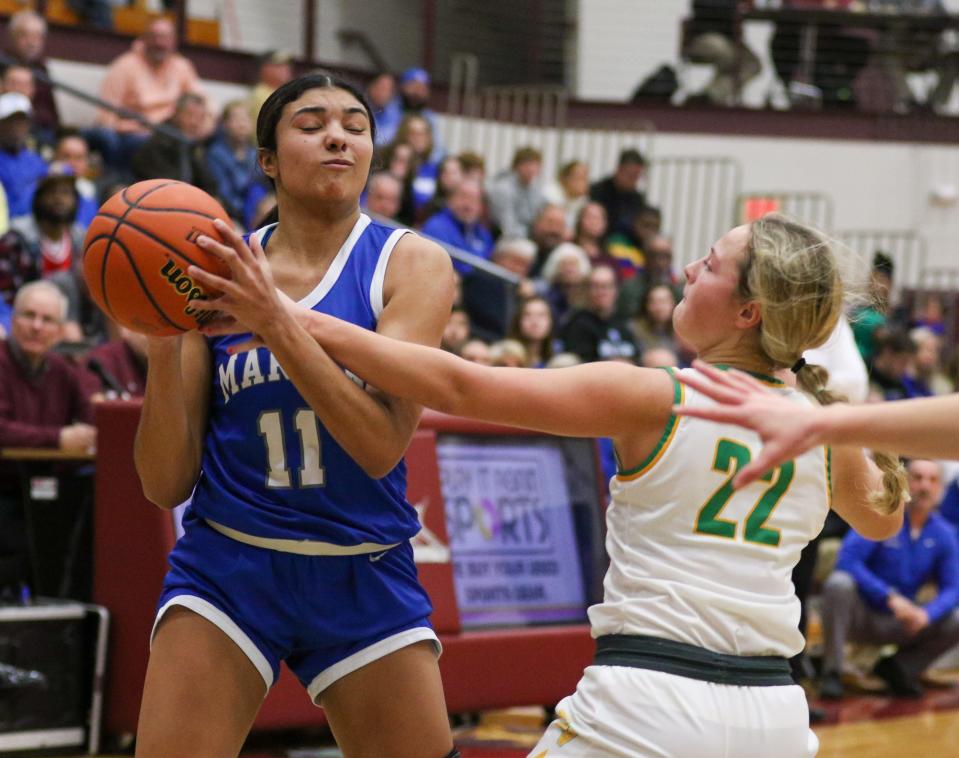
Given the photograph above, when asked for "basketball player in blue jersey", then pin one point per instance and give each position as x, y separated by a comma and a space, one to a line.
699, 614
297, 538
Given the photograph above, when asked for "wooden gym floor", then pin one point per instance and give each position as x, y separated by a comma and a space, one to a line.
865, 724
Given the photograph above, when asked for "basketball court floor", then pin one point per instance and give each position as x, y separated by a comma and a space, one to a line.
865, 724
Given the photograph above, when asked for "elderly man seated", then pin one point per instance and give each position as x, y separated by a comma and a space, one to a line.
42, 404
871, 597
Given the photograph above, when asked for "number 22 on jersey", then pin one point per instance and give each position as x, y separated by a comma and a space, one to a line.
730, 457
311, 473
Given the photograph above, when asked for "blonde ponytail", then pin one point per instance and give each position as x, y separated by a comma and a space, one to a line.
812, 379
792, 272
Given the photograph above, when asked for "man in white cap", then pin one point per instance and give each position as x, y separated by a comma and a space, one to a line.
20, 167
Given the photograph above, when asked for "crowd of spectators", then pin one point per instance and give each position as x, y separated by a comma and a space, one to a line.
53, 176
557, 271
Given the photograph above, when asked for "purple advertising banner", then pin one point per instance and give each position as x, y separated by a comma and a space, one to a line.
511, 532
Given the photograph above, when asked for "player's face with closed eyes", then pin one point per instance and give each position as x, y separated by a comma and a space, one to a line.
323, 146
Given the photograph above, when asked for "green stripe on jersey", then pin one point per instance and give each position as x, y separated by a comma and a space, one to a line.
667, 432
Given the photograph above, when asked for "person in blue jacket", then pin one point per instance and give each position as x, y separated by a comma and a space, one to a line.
6, 313
949, 507
231, 158
459, 224
872, 596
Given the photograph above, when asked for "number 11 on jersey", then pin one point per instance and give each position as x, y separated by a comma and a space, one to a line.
311, 472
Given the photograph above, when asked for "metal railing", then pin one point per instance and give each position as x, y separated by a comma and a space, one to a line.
457, 254
497, 142
939, 278
906, 247
532, 105
696, 196
495, 121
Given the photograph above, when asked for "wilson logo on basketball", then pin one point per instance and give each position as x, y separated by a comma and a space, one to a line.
185, 286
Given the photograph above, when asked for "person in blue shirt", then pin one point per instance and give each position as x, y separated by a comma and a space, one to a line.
416, 131
413, 99
20, 167
387, 106
6, 313
872, 595
231, 157
296, 544
459, 225
949, 507
71, 151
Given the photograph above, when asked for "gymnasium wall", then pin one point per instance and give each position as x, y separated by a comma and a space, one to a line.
259, 25
614, 44
620, 41
871, 185
856, 185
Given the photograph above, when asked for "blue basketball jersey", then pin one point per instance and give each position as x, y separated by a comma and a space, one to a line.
270, 468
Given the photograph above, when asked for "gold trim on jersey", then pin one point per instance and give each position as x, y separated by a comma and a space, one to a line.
679, 396
568, 733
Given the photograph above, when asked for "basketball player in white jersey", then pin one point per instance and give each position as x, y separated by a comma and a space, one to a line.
922, 428
699, 615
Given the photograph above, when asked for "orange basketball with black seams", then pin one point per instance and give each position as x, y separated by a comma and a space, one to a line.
138, 248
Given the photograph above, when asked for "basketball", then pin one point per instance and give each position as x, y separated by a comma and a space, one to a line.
137, 250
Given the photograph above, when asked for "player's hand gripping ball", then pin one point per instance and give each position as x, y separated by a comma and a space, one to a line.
137, 251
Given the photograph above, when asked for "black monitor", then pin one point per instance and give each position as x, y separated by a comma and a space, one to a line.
524, 515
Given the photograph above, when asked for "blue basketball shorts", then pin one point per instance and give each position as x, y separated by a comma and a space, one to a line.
326, 616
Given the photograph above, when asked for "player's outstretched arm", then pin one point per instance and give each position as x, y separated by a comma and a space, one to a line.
602, 399
921, 427
607, 399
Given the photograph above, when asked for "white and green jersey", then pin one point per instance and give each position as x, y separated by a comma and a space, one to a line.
692, 559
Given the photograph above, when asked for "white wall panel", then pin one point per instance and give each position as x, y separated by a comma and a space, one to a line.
393, 26
269, 24
621, 41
